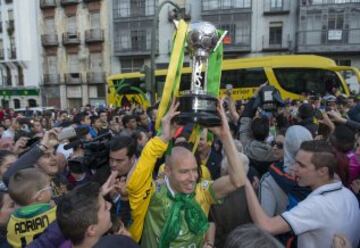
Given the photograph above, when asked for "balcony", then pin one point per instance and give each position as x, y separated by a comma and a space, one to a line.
225, 6
94, 35
133, 47
95, 77
305, 3
138, 12
51, 79
284, 45
11, 53
49, 40
73, 78
68, 2
70, 38
328, 41
47, 4
2, 54
10, 26
276, 7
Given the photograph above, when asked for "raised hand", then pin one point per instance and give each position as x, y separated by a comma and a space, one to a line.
166, 121
222, 131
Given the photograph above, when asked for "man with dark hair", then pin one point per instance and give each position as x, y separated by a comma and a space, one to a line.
83, 216
121, 159
130, 125
253, 133
330, 208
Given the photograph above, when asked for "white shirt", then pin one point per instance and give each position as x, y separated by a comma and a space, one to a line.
328, 210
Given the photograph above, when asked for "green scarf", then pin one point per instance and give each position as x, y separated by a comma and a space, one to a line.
194, 216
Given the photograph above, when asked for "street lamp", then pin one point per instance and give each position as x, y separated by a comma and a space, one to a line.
153, 46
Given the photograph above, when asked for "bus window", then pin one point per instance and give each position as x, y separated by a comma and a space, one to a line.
243, 78
307, 80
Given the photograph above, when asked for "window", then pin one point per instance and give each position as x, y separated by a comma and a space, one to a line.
95, 20
275, 33
10, 14
50, 26
96, 62
17, 103
130, 65
73, 63
243, 78
231, 32
336, 21
306, 80
71, 24
242, 32
97, 91
20, 75
137, 7
210, 4
121, 8
276, 4
242, 4
50, 64
138, 39
150, 7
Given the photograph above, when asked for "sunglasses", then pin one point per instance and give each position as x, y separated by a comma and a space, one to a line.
279, 145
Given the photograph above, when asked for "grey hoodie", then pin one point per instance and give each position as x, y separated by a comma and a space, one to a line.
272, 198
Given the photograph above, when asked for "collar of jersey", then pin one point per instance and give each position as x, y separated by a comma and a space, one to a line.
32, 210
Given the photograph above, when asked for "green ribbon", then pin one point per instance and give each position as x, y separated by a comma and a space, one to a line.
194, 216
214, 69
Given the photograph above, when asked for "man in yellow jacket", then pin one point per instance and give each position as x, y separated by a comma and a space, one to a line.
172, 212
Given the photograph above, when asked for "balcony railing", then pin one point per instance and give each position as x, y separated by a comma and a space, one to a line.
73, 78
53, 78
95, 77
68, 2
276, 7
10, 26
70, 38
327, 2
210, 5
94, 35
138, 12
133, 47
2, 54
47, 4
12, 53
329, 40
49, 40
282, 45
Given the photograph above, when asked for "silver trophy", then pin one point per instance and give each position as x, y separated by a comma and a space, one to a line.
196, 104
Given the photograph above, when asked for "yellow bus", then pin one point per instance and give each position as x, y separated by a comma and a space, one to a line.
293, 75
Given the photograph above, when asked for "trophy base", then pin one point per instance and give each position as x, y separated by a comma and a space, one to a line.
198, 108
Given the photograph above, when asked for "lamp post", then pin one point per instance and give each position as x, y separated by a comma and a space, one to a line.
153, 46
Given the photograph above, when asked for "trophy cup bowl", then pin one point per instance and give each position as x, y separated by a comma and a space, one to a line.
196, 104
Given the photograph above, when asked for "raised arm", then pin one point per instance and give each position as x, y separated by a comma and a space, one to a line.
274, 225
139, 183
236, 178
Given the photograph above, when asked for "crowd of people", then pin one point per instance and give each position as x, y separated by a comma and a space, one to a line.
289, 178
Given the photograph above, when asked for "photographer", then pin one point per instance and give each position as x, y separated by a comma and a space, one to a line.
253, 133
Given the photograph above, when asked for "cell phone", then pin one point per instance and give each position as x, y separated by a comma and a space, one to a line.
32, 141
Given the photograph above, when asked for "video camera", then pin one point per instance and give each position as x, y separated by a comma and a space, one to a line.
96, 153
268, 99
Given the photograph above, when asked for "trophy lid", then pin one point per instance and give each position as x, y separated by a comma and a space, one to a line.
202, 38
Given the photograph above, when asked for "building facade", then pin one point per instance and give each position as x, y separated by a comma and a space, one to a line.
20, 75
255, 28
75, 52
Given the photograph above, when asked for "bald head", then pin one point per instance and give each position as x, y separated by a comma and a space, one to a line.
182, 171
179, 155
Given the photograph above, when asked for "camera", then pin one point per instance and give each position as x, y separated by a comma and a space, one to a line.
269, 99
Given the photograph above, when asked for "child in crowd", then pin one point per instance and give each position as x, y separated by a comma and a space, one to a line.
31, 191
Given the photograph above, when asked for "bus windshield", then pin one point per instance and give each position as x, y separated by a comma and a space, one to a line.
306, 80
